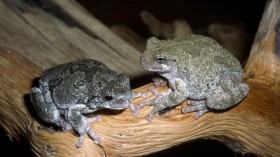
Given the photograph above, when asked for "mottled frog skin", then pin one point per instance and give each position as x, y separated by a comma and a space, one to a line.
196, 68
68, 91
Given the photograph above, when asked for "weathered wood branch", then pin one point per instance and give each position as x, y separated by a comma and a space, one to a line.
47, 40
250, 127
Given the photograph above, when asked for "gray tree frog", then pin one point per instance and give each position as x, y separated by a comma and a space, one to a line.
196, 68
69, 91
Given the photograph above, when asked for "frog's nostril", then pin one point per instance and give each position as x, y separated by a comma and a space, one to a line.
119, 101
108, 98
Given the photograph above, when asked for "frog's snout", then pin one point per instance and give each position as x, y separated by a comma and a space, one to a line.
120, 104
119, 101
142, 60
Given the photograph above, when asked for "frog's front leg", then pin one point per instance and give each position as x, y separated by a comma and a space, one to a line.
167, 100
162, 101
156, 94
46, 109
170, 100
81, 124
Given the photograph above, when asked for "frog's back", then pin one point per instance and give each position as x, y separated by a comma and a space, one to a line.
68, 81
201, 49
64, 70
203, 62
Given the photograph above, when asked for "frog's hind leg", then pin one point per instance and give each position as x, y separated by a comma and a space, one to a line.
46, 109
229, 93
81, 124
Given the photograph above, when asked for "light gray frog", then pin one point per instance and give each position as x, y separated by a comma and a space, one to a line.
69, 91
197, 68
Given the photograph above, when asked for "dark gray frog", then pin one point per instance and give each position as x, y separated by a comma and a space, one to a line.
196, 68
68, 91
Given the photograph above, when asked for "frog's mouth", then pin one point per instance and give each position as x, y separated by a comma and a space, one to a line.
157, 68
118, 104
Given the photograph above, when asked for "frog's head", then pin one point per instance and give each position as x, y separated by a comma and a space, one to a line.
117, 94
159, 56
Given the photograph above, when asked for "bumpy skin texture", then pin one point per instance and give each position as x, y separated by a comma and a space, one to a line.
197, 68
68, 91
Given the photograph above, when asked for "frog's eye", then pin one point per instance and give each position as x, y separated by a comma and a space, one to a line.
160, 59
108, 98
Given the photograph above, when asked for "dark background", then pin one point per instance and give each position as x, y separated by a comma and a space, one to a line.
198, 13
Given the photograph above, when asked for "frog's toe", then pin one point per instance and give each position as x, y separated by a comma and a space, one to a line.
79, 144
135, 111
150, 117
143, 104
200, 113
158, 82
196, 102
187, 109
95, 119
153, 90
96, 139
91, 134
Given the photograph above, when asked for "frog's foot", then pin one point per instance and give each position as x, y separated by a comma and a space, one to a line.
86, 129
150, 117
65, 126
195, 102
94, 119
198, 106
158, 106
150, 102
144, 104
159, 82
90, 133
141, 94
155, 92
135, 110
156, 102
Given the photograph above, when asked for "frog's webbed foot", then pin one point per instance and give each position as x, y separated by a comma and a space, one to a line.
198, 106
150, 102
86, 129
157, 103
134, 110
158, 81
90, 133
81, 124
